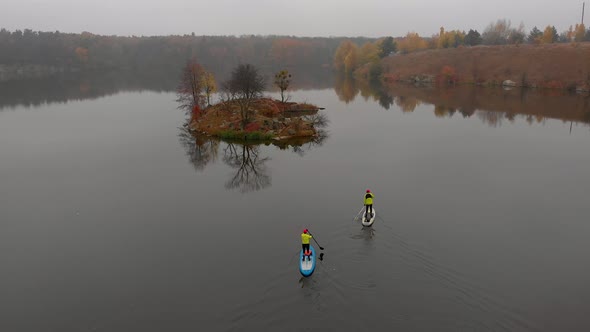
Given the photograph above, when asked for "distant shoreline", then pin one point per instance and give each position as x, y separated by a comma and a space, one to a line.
555, 66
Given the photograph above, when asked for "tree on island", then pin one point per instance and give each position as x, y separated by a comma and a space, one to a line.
209, 86
244, 86
282, 81
190, 89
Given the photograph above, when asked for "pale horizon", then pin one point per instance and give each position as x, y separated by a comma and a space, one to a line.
304, 18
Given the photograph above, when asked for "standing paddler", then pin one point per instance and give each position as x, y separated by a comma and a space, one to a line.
369, 203
305, 244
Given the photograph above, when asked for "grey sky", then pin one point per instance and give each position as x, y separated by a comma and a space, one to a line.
372, 18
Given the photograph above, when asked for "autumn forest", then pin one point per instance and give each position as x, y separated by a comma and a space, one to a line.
35, 54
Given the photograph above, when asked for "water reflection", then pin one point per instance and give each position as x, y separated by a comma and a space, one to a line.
62, 88
247, 160
200, 150
251, 172
493, 106
71, 87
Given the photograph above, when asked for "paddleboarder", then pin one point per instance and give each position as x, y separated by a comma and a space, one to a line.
305, 244
369, 203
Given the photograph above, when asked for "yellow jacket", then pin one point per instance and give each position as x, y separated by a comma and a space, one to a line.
369, 198
305, 238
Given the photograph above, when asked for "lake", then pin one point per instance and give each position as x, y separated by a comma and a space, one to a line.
113, 219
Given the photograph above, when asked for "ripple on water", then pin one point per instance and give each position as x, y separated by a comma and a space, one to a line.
376, 270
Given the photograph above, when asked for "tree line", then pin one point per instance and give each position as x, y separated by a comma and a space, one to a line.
363, 61
87, 51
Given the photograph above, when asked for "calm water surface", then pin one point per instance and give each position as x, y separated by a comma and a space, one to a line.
113, 220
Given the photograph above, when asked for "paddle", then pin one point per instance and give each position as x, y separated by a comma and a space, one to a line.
316, 242
357, 215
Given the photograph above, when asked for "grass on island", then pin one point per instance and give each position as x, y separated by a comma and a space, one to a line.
242, 135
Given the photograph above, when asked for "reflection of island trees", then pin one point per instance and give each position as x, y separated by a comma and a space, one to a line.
251, 172
62, 88
301, 145
200, 150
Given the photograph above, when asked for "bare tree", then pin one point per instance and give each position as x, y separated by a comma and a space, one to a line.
245, 85
497, 33
190, 89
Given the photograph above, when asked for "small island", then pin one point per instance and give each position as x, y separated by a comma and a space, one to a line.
242, 112
268, 119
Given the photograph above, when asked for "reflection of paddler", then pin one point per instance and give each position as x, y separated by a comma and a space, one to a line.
369, 203
305, 244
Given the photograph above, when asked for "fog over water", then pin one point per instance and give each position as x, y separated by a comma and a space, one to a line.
371, 18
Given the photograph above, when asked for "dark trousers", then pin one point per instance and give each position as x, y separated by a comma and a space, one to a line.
367, 207
305, 248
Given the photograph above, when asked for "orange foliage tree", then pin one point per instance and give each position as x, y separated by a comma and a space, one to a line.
82, 54
290, 51
448, 75
190, 89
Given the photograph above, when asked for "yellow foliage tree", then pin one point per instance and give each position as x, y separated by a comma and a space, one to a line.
343, 52
351, 60
579, 32
548, 35
440, 43
369, 53
412, 42
451, 38
209, 85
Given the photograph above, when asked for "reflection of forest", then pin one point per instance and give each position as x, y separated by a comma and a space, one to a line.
251, 173
347, 88
62, 88
491, 105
